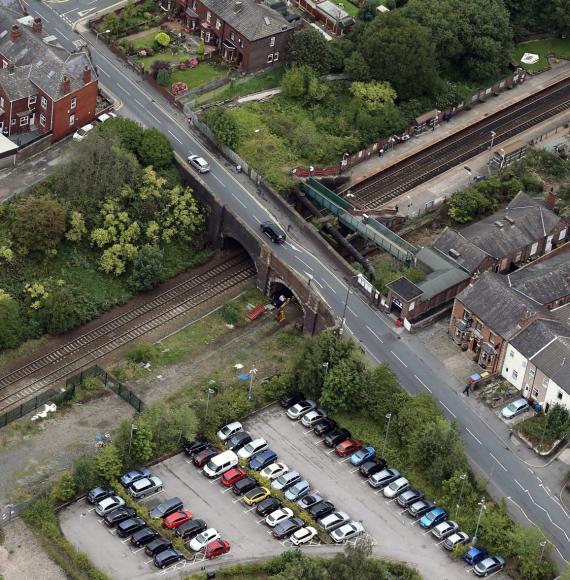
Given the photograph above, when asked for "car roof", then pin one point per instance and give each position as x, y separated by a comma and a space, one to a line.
232, 424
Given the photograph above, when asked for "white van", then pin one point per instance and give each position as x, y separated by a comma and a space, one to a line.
220, 464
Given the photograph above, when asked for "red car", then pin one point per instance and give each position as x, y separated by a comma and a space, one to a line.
177, 519
200, 459
233, 476
216, 548
348, 447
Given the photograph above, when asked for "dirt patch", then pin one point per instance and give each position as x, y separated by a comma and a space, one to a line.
22, 557
425, 235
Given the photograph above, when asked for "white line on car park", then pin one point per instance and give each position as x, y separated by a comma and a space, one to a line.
309, 431
354, 470
391, 500
343, 460
414, 522
448, 410
428, 532
331, 451
225, 490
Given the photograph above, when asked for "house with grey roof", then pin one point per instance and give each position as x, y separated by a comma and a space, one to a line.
249, 35
43, 87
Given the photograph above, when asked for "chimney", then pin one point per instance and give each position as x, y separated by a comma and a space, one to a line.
550, 198
37, 26
237, 6
86, 74
65, 85
11, 67
15, 33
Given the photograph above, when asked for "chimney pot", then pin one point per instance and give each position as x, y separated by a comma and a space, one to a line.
86, 74
11, 67
65, 85
237, 6
37, 26
15, 32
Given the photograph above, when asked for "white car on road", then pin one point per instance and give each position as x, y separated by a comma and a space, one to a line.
198, 163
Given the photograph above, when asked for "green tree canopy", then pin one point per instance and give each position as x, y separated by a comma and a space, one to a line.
10, 322
59, 311
308, 47
162, 39
345, 385
108, 464
375, 96
155, 149
465, 206
147, 268
223, 125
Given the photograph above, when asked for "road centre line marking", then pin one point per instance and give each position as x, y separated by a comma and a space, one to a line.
138, 103
305, 263
504, 468
399, 358
153, 116
520, 485
125, 91
377, 337
421, 382
254, 217
179, 141
103, 71
470, 433
334, 291
239, 200
448, 410
352, 311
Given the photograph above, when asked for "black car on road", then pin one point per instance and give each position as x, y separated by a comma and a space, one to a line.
337, 436
157, 546
321, 509
236, 441
324, 426
291, 399
273, 232
191, 529
143, 537
268, 505
119, 515
287, 528
130, 526
244, 485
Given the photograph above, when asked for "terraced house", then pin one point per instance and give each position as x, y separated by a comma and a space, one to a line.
43, 87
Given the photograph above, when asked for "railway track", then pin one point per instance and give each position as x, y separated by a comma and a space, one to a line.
26, 381
379, 189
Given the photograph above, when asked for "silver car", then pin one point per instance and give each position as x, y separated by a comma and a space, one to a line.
333, 521
108, 505
347, 532
145, 486
515, 408
198, 163
297, 411
456, 539
445, 529
297, 491
312, 417
285, 480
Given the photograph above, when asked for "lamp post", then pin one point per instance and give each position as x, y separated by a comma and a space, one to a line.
482, 505
462, 477
97, 34
210, 394
343, 318
133, 428
389, 417
326, 367
493, 135
542, 546
251, 375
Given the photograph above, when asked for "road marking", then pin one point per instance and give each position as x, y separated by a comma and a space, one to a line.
448, 410
125, 91
520, 485
355, 470
305, 263
334, 291
138, 103
343, 460
179, 141
504, 468
155, 118
103, 71
239, 200
422, 383
377, 337
292, 247
255, 218
470, 433
399, 358
60, 33
352, 311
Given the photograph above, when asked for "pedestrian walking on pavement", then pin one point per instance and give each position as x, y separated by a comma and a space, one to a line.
511, 434
466, 390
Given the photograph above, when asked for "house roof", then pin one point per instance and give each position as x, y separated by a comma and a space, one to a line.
17, 84
554, 362
546, 280
539, 333
252, 20
442, 274
404, 288
524, 221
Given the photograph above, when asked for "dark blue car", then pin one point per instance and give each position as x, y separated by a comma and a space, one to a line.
134, 475
262, 460
475, 555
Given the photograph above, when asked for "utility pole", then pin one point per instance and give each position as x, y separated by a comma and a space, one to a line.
482, 504
389, 417
251, 375
133, 428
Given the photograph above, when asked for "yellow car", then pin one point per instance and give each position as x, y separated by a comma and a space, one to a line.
256, 495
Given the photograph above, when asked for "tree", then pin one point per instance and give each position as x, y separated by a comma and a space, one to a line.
84, 474
108, 464
308, 47
375, 96
383, 393
356, 67
558, 422
200, 51
59, 311
368, 10
295, 81
345, 385
142, 444
128, 132
162, 39
465, 206
400, 51
223, 126
163, 77
155, 149
495, 529
77, 227
532, 553
147, 268
157, 66
63, 489
10, 321
39, 225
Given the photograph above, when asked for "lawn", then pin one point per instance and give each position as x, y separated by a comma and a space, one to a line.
559, 46
144, 42
196, 77
348, 6
167, 56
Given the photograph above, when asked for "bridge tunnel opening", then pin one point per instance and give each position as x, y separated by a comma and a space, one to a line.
287, 307
233, 249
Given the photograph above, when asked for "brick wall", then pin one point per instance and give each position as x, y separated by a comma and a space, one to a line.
84, 111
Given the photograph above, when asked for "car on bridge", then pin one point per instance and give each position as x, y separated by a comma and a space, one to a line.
198, 163
273, 232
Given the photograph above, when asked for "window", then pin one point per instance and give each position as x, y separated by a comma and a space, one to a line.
208, 17
1, 102
269, 58
532, 372
515, 375
232, 36
32, 100
4, 64
533, 248
44, 103
492, 338
194, 5
73, 103
71, 120
545, 382
512, 353
272, 42
466, 315
560, 395
240, 42
562, 234
535, 392
276, 57
42, 120
12, 121
24, 121
412, 304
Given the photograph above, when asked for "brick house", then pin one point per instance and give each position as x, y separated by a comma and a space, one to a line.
43, 87
249, 35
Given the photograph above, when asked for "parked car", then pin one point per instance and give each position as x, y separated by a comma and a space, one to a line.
202, 457
198, 163
489, 566
309, 500
313, 417
166, 508
347, 447
302, 408
291, 399
347, 531
297, 491
256, 446
474, 555
107, 116
237, 441
233, 476
337, 436
204, 538
220, 463
333, 521
278, 516
191, 529
410, 496
109, 504
419, 508
229, 430
445, 529
167, 558
143, 537
372, 466
303, 536
273, 232
321, 509
191, 448
81, 133
129, 526
287, 528
268, 505
98, 494
324, 426
145, 486
176, 519
454, 540
244, 485
216, 548
515, 408
134, 475
256, 495
362, 455
286, 480
274, 470
263, 459
383, 478
119, 515
157, 546
397, 487
434, 517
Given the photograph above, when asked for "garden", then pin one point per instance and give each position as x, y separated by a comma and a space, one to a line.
545, 429
558, 46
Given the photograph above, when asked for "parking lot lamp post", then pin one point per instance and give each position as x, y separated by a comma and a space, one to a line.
251, 375
389, 417
210, 393
462, 477
133, 428
482, 506
326, 367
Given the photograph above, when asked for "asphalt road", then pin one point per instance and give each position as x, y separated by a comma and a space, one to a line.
417, 369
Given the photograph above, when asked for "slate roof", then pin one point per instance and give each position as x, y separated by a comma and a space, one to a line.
442, 274
554, 362
404, 288
532, 221
253, 21
546, 280
538, 334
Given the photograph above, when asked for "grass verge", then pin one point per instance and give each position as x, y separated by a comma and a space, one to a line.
559, 46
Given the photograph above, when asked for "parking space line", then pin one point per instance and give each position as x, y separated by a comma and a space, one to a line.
355, 470
225, 490
318, 442
414, 522
364, 481
143, 499
236, 500
148, 562
309, 431
343, 460
391, 500
331, 451
428, 532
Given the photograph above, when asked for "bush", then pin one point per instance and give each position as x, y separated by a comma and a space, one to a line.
143, 352
84, 473
147, 268
231, 313
10, 321
64, 489
108, 464
223, 126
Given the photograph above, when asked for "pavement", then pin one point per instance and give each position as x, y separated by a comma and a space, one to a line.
417, 369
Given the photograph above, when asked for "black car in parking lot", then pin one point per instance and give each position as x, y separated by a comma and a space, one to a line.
167, 558
244, 485
99, 494
321, 509
143, 537
287, 528
119, 515
268, 505
324, 426
130, 526
410, 496
291, 399
419, 508
157, 546
337, 436
166, 508
191, 529
372, 466
236, 441
193, 447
